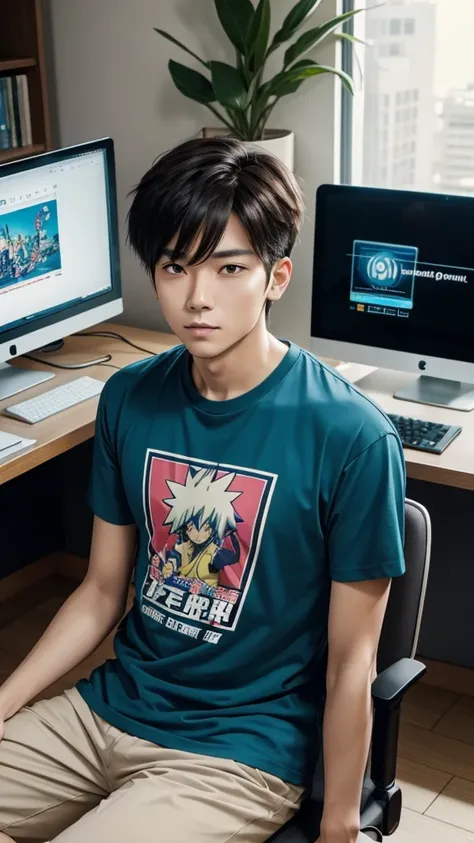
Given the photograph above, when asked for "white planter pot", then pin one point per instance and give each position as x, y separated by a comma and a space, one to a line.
278, 143
281, 144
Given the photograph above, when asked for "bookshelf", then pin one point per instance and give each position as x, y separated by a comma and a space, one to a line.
22, 52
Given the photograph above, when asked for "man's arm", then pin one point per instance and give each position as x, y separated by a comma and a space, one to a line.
82, 623
355, 621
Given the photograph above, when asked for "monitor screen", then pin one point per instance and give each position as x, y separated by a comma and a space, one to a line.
57, 240
395, 270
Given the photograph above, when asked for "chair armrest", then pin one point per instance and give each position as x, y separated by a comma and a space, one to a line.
387, 692
392, 684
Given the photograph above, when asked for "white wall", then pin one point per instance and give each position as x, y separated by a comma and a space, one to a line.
112, 79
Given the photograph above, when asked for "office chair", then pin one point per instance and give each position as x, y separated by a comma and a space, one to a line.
381, 802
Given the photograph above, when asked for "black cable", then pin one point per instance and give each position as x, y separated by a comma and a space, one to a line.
117, 336
101, 361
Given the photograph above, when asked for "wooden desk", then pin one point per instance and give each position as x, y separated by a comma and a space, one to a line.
455, 467
69, 428
63, 431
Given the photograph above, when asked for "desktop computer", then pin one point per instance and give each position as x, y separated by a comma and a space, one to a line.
393, 287
59, 252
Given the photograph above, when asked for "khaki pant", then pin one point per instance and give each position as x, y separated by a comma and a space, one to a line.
67, 774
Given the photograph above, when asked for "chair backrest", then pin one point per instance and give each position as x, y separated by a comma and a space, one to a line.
402, 621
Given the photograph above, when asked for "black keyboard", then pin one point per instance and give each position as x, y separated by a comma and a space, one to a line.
424, 435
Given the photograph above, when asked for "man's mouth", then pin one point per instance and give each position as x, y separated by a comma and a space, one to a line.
200, 329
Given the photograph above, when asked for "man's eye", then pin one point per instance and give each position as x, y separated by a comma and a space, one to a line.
173, 268
232, 269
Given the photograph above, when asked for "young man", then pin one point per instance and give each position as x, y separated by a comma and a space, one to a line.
259, 498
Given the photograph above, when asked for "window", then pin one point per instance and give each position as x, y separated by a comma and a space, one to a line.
395, 49
464, 124
418, 82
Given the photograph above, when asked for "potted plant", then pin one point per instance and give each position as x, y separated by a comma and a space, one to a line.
239, 94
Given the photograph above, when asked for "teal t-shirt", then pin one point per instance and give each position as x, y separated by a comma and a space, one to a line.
246, 510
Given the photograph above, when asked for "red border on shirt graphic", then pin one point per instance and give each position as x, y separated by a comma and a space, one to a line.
205, 524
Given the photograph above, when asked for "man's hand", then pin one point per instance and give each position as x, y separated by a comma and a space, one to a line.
168, 570
342, 831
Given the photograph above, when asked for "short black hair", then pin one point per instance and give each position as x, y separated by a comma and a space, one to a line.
194, 188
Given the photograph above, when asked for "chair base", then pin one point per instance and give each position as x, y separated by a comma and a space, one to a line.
373, 834
383, 811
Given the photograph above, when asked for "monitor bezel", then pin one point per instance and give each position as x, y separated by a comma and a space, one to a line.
45, 325
378, 356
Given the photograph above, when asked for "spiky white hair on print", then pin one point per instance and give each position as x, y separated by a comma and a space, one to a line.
205, 497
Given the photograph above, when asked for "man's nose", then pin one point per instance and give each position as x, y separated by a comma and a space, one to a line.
201, 295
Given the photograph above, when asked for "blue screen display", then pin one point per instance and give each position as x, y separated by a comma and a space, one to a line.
383, 274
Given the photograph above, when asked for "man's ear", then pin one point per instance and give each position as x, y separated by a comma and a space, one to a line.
279, 279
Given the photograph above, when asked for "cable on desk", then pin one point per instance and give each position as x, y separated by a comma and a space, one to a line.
117, 336
101, 361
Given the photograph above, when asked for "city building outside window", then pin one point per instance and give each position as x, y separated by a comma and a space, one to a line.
410, 124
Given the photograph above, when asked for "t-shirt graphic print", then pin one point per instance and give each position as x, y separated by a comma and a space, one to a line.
205, 523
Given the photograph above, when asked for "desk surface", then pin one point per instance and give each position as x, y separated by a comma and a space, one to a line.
63, 431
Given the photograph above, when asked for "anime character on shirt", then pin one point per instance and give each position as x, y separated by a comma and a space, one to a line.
202, 517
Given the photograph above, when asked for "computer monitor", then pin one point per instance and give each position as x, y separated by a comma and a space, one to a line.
393, 287
59, 253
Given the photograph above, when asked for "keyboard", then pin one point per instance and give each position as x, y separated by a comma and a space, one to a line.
55, 400
424, 435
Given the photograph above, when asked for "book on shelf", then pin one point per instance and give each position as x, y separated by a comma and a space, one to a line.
15, 112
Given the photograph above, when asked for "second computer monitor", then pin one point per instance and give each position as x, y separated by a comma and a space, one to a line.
393, 285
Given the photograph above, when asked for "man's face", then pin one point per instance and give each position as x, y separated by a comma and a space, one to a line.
214, 305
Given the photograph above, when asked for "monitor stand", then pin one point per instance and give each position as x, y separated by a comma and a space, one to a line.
439, 393
13, 379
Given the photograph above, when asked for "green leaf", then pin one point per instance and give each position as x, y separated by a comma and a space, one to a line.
191, 83
293, 21
259, 35
314, 36
178, 44
265, 92
291, 85
236, 17
344, 77
347, 36
288, 81
228, 85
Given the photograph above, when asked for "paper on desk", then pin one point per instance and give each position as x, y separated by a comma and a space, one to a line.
18, 446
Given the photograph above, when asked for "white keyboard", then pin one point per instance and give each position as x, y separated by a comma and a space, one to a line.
55, 400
